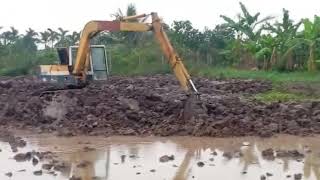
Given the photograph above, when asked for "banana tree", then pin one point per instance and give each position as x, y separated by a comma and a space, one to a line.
248, 29
265, 51
311, 35
285, 34
247, 25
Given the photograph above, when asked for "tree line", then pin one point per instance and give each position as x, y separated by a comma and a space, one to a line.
248, 41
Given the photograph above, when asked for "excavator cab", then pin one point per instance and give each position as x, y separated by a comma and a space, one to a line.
62, 73
99, 65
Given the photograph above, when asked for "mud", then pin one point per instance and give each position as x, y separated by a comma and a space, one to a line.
268, 154
37, 173
289, 153
152, 106
298, 176
166, 158
14, 142
9, 174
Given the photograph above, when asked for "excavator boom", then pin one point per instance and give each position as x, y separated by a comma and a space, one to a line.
94, 27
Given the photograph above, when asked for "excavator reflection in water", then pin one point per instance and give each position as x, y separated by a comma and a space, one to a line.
188, 154
124, 157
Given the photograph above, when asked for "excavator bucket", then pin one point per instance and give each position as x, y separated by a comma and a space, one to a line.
192, 106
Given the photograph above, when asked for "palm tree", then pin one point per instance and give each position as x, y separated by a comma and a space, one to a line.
5, 36
73, 38
62, 37
32, 34
53, 37
14, 35
29, 40
129, 37
45, 37
9, 37
131, 10
0, 35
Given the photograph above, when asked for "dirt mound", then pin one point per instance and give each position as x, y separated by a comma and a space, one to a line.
152, 106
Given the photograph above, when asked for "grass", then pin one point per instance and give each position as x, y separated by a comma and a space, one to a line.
275, 96
280, 82
273, 76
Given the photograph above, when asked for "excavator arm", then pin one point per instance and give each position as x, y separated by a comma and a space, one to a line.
94, 27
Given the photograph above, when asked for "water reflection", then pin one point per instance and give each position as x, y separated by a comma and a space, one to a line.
138, 158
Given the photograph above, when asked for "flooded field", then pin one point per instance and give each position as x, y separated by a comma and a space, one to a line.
145, 158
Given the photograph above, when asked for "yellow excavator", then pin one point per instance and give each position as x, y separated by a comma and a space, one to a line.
80, 64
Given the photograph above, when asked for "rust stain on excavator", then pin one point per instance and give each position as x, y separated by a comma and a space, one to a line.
109, 25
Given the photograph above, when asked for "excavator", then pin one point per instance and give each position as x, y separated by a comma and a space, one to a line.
83, 63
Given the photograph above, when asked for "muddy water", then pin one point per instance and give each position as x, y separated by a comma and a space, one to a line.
138, 158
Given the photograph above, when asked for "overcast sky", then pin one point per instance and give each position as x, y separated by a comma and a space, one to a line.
73, 14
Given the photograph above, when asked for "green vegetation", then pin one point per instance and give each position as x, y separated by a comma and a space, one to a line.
275, 96
274, 76
308, 83
246, 47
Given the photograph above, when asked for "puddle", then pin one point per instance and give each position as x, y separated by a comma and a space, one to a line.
116, 158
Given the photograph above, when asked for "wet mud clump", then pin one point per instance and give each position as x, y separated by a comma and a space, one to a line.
14, 141
289, 154
152, 105
166, 158
268, 154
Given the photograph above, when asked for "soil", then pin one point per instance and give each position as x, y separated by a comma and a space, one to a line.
166, 158
268, 154
263, 177
200, 164
152, 105
290, 153
298, 176
9, 174
37, 173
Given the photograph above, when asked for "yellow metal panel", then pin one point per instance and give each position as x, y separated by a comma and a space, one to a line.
54, 70
133, 17
90, 27
176, 63
136, 27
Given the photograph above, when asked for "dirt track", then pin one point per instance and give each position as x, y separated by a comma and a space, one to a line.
152, 106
